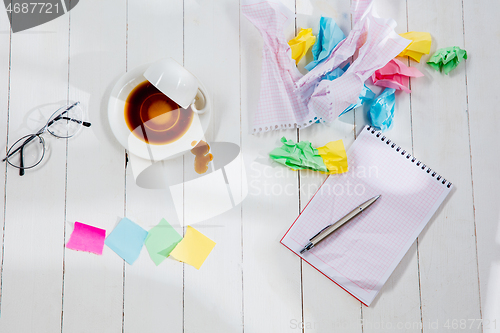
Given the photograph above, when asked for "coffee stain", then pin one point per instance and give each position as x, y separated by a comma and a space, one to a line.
203, 157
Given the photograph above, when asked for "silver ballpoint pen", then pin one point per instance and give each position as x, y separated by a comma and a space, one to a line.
329, 229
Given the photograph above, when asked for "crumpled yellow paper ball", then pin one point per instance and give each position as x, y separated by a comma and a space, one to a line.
301, 43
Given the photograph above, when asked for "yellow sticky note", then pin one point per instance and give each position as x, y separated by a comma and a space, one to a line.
420, 45
301, 43
194, 248
334, 156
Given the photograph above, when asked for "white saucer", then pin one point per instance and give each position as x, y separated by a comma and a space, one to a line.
116, 116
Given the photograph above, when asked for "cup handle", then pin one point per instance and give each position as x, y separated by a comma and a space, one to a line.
193, 104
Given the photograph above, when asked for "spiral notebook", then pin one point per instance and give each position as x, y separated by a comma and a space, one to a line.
361, 255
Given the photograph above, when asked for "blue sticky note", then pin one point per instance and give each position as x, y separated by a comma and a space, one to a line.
366, 95
382, 110
127, 239
329, 36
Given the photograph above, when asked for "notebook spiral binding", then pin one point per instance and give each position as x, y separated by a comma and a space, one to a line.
378, 134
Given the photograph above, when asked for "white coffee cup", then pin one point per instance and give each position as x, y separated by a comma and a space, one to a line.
176, 82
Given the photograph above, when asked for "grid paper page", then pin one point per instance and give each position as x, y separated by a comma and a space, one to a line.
361, 255
279, 107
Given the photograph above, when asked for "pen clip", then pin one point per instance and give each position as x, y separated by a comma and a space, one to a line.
328, 226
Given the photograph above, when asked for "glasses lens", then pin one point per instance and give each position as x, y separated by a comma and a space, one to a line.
66, 121
27, 152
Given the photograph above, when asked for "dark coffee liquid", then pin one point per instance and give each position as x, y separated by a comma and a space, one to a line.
153, 117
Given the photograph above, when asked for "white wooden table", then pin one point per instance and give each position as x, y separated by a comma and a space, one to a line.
448, 281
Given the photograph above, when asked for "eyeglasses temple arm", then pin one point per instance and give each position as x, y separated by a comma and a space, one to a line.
84, 123
21, 162
28, 140
65, 111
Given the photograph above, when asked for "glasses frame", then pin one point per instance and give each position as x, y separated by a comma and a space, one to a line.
57, 115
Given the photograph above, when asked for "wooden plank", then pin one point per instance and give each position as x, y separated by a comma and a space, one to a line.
213, 295
447, 249
397, 306
153, 295
34, 211
397, 303
93, 286
322, 297
483, 128
271, 274
5, 39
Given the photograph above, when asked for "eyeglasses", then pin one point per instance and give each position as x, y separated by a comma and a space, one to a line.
28, 151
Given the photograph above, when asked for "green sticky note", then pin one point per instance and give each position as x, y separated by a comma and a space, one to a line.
447, 59
161, 240
298, 156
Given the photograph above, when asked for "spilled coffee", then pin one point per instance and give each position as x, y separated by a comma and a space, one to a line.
202, 156
153, 117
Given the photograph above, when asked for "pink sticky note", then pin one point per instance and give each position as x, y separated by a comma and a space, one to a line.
87, 238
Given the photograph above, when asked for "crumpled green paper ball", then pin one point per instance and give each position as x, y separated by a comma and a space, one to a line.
298, 156
447, 59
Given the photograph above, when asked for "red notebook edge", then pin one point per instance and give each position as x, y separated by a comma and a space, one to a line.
281, 241
325, 275
303, 210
